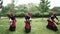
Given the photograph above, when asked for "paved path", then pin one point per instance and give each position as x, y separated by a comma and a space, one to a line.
4, 17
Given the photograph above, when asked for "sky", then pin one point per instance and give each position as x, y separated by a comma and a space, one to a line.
52, 2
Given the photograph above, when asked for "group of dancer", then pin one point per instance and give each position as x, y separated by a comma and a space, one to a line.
13, 22
51, 23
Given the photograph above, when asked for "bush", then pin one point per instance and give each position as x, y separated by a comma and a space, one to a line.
33, 14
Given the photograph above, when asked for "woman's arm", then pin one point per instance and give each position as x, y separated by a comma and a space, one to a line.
57, 18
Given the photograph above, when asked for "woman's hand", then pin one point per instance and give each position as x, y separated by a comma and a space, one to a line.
57, 23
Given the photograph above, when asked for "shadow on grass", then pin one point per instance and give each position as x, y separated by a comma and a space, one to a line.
8, 32
58, 32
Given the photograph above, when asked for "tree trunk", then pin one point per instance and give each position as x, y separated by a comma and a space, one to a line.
42, 15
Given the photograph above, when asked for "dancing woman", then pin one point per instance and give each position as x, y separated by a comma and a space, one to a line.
51, 22
27, 23
13, 22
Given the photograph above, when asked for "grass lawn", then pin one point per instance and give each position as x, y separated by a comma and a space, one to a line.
38, 26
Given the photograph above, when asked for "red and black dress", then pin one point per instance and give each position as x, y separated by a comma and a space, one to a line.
51, 23
13, 25
27, 24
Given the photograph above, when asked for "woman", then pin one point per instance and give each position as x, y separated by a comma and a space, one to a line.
13, 23
51, 23
27, 23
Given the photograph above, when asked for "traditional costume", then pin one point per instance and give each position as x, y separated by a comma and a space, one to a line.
51, 23
27, 23
13, 22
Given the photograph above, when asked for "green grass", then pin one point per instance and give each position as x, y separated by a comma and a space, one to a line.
38, 26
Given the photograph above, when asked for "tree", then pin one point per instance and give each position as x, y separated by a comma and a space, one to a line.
43, 6
7, 9
32, 7
56, 9
1, 2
